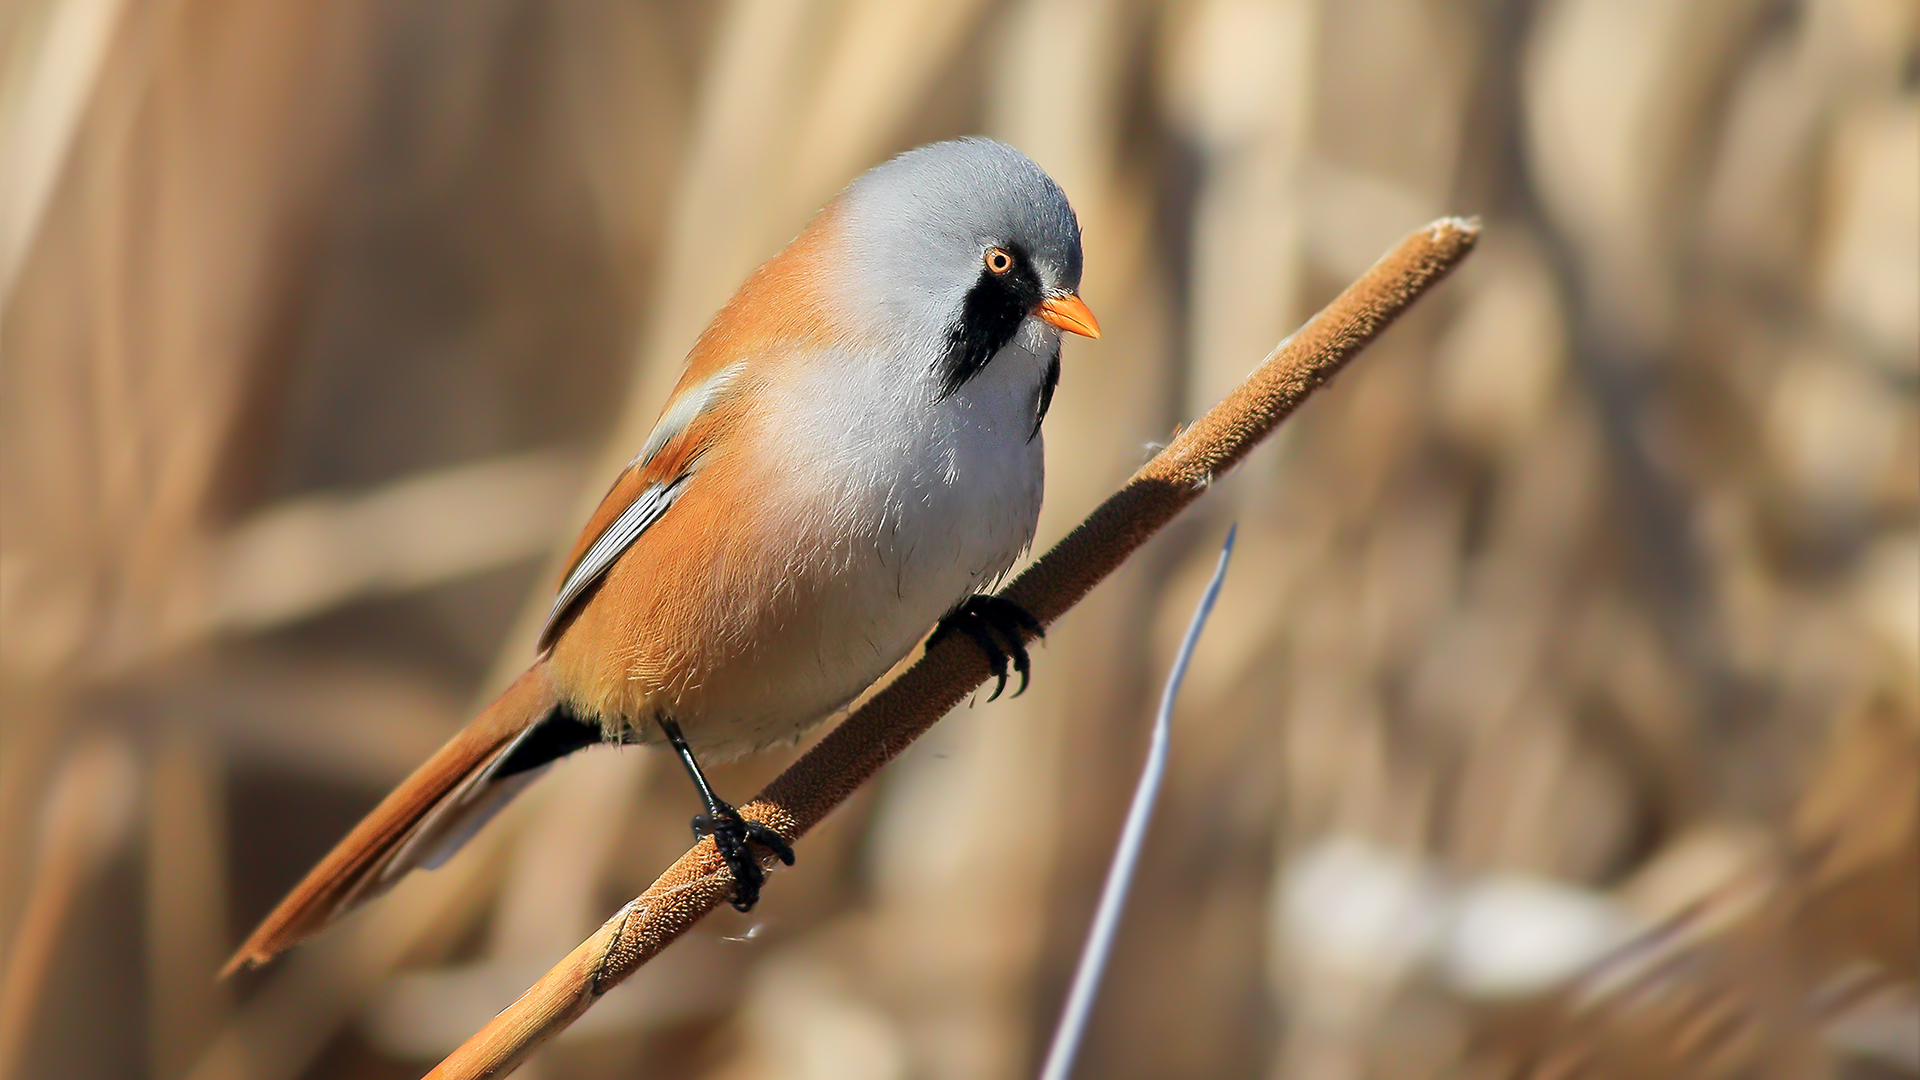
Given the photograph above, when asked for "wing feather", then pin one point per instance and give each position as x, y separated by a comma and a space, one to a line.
644, 510
644, 491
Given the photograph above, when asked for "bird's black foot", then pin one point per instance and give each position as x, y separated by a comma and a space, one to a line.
1000, 627
732, 834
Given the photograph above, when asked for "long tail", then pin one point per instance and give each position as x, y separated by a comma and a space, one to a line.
434, 811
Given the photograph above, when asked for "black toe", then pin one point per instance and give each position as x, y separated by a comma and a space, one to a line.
1004, 613
734, 836
1000, 628
981, 635
772, 841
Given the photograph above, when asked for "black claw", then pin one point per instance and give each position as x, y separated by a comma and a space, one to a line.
732, 835
999, 627
1018, 650
996, 657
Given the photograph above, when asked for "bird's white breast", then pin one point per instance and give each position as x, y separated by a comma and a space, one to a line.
903, 503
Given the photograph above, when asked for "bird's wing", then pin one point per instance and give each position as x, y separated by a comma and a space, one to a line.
694, 419
776, 317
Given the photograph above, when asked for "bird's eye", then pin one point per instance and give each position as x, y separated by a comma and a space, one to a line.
998, 261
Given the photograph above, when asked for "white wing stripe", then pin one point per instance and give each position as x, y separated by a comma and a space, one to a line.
634, 520
652, 502
685, 409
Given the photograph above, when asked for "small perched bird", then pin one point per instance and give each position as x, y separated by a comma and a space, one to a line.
852, 455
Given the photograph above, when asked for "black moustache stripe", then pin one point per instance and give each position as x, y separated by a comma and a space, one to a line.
989, 318
1047, 387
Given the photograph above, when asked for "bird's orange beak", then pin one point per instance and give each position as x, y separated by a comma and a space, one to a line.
1069, 313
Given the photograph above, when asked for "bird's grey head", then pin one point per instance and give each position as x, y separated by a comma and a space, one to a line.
966, 244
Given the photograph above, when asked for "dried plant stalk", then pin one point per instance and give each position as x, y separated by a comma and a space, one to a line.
878, 731
86, 817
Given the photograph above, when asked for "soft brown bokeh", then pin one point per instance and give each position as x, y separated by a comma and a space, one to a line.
1562, 717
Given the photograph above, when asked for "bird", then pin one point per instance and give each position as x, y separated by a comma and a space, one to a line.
852, 459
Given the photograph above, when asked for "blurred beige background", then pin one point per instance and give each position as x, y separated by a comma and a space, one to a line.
1562, 718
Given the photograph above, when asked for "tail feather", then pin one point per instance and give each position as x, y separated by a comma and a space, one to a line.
485, 792
422, 821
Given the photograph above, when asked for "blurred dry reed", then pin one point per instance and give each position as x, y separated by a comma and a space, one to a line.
1589, 607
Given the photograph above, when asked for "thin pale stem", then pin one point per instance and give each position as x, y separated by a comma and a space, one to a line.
1126, 855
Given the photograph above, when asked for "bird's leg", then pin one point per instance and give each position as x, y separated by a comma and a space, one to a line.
983, 617
731, 832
